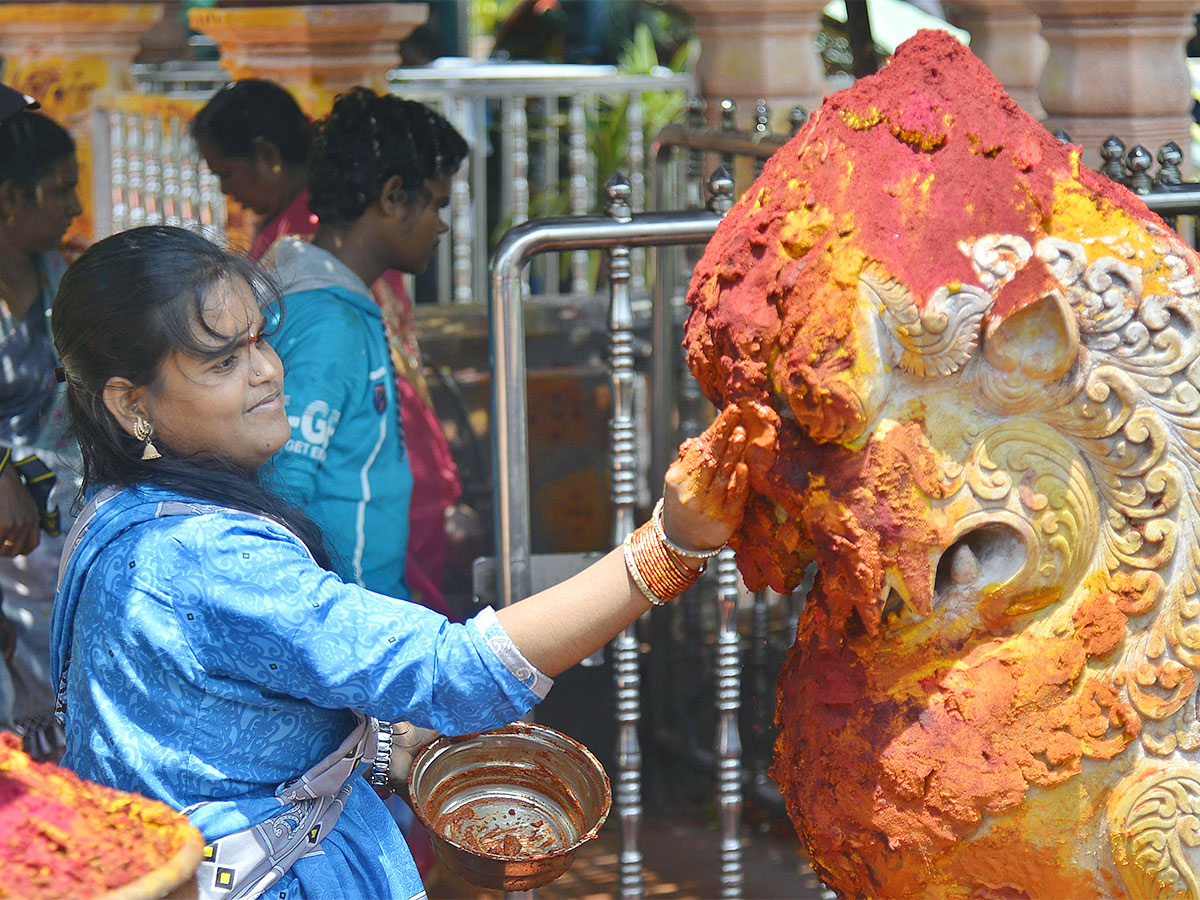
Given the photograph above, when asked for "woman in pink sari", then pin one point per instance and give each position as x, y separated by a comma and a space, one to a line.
255, 138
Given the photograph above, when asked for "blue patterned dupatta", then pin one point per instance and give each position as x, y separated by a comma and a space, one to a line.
243, 864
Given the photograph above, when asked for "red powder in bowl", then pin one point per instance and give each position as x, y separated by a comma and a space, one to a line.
61, 836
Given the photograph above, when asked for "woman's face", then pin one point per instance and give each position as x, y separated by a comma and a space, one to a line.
419, 227
229, 405
247, 179
44, 218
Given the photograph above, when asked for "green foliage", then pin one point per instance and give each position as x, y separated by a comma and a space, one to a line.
608, 129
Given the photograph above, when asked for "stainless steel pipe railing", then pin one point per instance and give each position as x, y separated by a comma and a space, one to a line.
618, 233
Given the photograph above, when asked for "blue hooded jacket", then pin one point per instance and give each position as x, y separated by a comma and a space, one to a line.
345, 464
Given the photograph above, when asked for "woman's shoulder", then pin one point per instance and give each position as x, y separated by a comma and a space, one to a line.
162, 514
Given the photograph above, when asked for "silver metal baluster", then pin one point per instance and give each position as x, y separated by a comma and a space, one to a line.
728, 741
460, 216
635, 145
1138, 162
152, 169
477, 160
445, 266
760, 685
1112, 151
762, 128
170, 172
729, 677
120, 199
207, 211
547, 264
797, 118
189, 182
518, 127
690, 401
728, 124
694, 177
135, 167
577, 163
626, 673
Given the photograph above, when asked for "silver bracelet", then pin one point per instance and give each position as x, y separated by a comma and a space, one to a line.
378, 775
661, 534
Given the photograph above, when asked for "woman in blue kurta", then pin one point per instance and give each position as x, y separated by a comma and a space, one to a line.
207, 656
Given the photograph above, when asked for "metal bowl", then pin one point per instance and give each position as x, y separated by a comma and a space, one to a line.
507, 809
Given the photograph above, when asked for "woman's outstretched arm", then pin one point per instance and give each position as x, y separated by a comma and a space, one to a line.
704, 492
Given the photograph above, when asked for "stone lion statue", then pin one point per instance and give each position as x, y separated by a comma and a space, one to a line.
983, 363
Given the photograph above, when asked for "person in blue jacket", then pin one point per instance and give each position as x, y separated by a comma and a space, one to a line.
204, 652
379, 175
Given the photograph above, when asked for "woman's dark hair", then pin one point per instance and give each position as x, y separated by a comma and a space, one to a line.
245, 111
30, 146
121, 309
367, 139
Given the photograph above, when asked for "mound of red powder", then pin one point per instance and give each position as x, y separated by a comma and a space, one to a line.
61, 836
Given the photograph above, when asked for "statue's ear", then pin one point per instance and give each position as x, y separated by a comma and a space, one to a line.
1040, 340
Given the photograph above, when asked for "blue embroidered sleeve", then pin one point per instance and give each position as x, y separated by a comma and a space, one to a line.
254, 607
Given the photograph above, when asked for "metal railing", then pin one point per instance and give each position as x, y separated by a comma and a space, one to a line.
616, 233
146, 168
532, 130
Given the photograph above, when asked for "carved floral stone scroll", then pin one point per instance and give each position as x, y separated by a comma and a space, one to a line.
986, 366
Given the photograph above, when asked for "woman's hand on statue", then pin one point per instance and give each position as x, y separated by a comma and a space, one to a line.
706, 487
20, 527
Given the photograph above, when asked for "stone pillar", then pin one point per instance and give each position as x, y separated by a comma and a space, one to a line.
315, 51
1006, 36
1117, 68
759, 48
168, 40
63, 54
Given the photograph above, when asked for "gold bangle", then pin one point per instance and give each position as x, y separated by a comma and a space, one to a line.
661, 533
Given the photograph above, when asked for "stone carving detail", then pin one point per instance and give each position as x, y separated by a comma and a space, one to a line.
936, 339
1154, 820
989, 443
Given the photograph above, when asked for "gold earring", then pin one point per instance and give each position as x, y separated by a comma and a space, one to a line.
276, 169
143, 431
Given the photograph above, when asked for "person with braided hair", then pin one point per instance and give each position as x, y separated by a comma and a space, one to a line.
379, 174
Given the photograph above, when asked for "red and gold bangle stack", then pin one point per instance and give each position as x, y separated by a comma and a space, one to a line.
658, 572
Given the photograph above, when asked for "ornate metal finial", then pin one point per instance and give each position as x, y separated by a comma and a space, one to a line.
728, 115
1062, 136
1169, 158
1111, 152
797, 118
762, 117
619, 190
720, 190
695, 110
1137, 163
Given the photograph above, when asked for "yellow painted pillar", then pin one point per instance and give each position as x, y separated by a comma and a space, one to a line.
315, 51
63, 54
